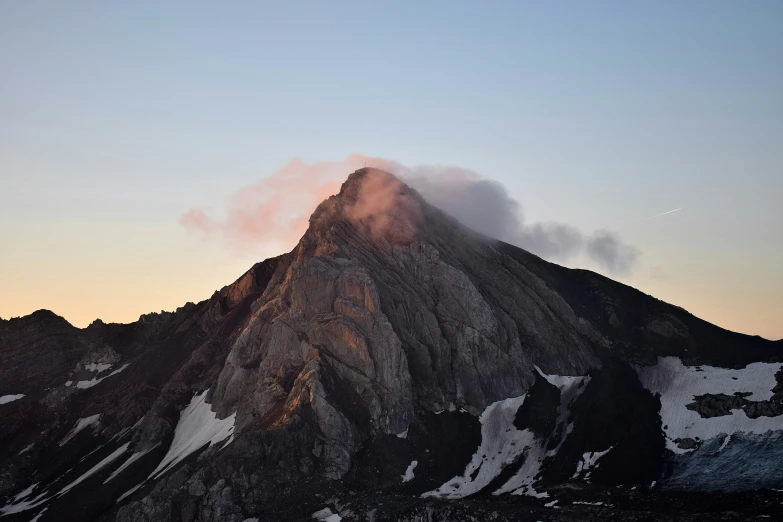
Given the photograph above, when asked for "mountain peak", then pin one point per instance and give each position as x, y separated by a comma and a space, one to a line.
374, 203
351, 186
42, 316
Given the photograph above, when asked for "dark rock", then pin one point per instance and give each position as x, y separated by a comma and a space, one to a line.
687, 443
716, 405
539, 411
616, 412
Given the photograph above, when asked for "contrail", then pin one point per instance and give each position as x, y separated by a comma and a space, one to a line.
664, 213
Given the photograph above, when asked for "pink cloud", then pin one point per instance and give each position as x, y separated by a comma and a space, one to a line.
197, 220
276, 209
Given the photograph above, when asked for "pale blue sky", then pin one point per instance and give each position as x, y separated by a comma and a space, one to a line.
116, 117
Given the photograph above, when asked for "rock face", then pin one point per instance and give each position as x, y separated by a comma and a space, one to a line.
390, 334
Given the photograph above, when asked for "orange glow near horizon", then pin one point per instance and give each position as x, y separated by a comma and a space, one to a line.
84, 271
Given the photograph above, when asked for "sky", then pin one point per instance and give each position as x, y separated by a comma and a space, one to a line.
116, 118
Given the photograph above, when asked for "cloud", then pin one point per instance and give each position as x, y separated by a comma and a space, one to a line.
549, 240
196, 219
383, 208
485, 206
610, 253
276, 210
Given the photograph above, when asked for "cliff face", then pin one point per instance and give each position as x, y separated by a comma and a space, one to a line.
392, 349
408, 315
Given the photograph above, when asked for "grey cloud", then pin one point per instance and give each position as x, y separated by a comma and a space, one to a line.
486, 207
480, 204
549, 240
608, 251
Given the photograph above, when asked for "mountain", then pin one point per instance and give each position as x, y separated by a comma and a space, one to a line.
392, 363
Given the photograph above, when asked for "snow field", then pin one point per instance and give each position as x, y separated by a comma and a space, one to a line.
678, 385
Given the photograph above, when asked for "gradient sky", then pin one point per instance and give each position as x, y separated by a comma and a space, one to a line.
117, 117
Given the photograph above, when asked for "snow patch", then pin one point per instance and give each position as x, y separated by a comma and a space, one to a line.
589, 461
585, 503
725, 443
550, 504
531, 492
95, 380
81, 424
18, 506
93, 451
5, 399
678, 384
124, 431
92, 471
38, 516
501, 444
403, 435
409, 472
10, 509
130, 492
27, 448
561, 381
198, 426
522, 482
97, 367
25, 492
326, 515
133, 458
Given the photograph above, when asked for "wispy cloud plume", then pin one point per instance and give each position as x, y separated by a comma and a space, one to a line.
485, 206
276, 210
610, 253
384, 209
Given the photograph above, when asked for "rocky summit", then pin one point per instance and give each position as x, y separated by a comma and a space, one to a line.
394, 366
